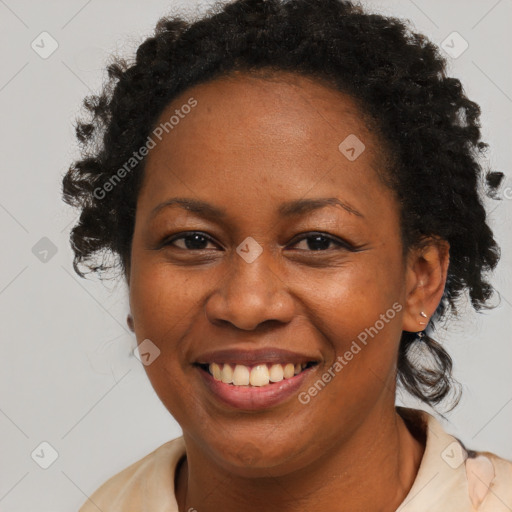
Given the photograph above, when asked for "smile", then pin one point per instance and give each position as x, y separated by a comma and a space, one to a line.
256, 375
250, 387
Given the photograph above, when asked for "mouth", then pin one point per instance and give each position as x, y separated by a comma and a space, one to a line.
257, 375
257, 387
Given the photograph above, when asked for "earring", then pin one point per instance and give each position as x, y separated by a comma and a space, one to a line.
421, 334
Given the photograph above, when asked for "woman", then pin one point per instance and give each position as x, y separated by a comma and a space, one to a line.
292, 190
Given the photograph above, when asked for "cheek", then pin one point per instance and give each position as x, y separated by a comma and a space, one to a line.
162, 304
359, 314
352, 298
162, 300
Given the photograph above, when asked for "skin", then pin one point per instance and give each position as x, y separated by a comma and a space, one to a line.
249, 145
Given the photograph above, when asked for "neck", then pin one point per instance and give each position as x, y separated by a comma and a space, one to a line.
374, 470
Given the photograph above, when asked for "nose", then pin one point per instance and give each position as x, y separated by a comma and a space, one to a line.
250, 294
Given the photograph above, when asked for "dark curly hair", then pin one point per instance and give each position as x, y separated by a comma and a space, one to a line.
397, 78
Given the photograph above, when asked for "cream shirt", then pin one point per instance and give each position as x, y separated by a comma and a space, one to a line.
450, 478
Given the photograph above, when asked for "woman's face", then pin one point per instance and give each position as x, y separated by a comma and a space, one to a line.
263, 276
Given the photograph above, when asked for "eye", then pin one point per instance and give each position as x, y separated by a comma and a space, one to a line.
193, 241
315, 241
322, 241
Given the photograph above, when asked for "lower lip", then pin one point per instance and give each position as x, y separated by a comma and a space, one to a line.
255, 397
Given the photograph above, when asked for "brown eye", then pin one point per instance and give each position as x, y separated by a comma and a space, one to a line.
322, 242
193, 241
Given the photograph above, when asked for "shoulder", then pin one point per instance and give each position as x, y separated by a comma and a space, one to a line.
148, 481
489, 480
454, 477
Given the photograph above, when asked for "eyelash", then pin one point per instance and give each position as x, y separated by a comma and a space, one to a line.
311, 234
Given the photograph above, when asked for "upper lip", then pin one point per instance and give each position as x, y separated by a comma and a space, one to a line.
252, 357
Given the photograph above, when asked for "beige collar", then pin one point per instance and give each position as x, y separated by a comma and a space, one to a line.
449, 477
441, 482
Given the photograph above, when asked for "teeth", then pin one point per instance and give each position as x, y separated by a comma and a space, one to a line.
227, 374
289, 371
241, 375
276, 373
259, 375
216, 371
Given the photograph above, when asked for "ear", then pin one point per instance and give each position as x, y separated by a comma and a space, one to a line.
129, 317
427, 269
129, 321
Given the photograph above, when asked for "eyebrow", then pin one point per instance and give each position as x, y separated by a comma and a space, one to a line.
288, 209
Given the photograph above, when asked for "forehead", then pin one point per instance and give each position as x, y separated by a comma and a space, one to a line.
279, 133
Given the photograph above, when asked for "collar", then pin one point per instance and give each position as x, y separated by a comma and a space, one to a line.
449, 477
441, 482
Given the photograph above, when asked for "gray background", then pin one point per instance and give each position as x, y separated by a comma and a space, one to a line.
67, 375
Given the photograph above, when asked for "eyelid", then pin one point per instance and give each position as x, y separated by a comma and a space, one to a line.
341, 243
184, 234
